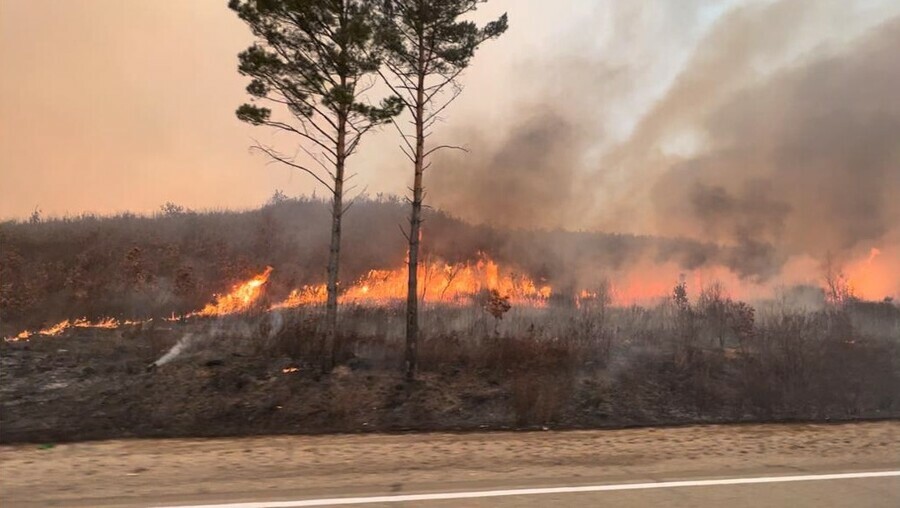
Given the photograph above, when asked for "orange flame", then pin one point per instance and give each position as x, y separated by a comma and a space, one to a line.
240, 299
66, 324
871, 278
439, 282
307, 295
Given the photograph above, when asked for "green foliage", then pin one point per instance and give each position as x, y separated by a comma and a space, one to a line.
434, 26
426, 46
311, 56
253, 114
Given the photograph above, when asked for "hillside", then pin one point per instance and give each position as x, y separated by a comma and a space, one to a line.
131, 267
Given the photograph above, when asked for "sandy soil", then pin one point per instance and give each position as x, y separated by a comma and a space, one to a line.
114, 471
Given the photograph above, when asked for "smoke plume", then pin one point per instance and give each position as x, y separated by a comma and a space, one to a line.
777, 139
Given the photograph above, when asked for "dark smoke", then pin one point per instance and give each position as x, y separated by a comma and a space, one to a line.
807, 161
525, 178
798, 158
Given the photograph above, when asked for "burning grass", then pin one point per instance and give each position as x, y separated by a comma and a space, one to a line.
443, 284
241, 298
134, 268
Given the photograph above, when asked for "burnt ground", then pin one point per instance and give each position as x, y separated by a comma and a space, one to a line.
98, 384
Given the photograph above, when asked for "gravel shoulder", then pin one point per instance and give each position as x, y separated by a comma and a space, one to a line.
129, 472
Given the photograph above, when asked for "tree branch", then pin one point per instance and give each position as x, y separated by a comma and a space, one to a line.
282, 159
442, 147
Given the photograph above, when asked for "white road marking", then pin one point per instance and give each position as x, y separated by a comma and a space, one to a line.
438, 496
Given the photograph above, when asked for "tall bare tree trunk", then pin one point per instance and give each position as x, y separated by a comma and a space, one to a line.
415, 221
334, 252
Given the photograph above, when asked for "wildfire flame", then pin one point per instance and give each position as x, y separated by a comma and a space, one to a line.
439, 282
240, 299
462, 283
307, 295
870, 278
66, 324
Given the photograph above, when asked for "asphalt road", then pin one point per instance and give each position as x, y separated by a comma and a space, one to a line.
734, 466
874, 489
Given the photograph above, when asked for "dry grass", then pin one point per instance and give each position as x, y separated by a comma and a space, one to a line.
677, 362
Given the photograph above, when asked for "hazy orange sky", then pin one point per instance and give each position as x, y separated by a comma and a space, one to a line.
112, 105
